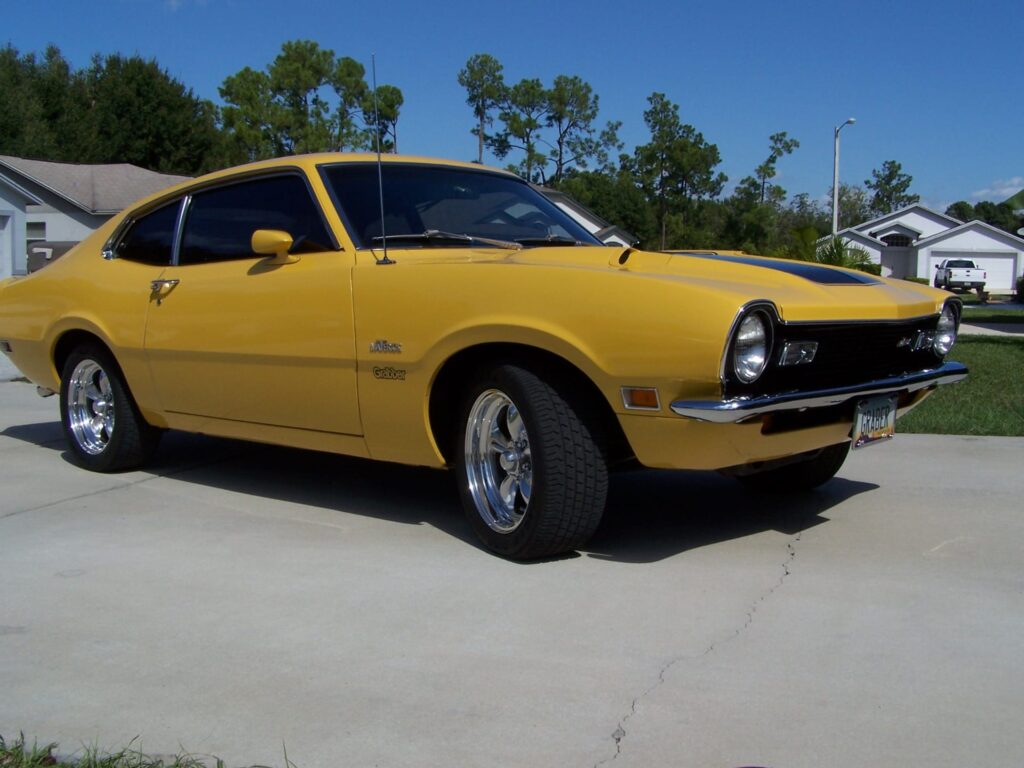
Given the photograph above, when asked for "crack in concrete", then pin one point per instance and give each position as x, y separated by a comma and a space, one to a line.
619, 734
125, 486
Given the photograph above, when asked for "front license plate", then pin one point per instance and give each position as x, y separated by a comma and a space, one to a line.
874, 420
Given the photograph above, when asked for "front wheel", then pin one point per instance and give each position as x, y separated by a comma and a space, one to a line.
803, 475
102, 425
532, 475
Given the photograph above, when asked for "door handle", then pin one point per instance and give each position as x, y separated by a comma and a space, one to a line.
161, 288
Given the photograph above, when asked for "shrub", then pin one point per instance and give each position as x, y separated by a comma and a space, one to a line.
837, 252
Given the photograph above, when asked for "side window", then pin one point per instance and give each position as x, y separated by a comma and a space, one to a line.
220, 222
150, 239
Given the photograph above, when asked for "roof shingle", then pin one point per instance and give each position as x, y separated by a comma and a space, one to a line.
93, 188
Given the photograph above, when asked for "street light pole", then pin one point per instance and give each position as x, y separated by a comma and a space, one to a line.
835, 176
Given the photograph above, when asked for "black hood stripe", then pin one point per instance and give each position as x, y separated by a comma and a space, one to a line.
816, 273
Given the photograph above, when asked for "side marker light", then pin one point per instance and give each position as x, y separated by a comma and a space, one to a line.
641, 398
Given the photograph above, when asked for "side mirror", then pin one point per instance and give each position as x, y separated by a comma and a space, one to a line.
276, 243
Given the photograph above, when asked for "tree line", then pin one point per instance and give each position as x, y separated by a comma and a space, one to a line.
668, 191
126, 109
117, 109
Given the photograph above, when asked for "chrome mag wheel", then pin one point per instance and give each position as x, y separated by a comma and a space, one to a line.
532, 478
499, 466
90, 402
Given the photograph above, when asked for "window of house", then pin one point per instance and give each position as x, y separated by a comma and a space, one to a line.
220, 222
150, 239
35, 232
896, 241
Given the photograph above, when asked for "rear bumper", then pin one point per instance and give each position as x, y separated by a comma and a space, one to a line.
741, 409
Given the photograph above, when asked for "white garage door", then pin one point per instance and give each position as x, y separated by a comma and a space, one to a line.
1001, 267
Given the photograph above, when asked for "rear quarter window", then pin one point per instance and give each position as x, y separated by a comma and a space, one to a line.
150, 238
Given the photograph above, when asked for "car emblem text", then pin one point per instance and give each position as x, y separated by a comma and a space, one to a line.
383, 346
389, 373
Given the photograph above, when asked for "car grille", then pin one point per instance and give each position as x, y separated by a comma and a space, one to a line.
847, 354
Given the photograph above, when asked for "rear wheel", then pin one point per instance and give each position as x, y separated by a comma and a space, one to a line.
532, 475
817, 469
103, 427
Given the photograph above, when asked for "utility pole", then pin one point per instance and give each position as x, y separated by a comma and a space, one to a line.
835, 176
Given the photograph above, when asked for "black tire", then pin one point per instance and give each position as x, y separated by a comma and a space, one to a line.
817, 469
553, 464
104, 430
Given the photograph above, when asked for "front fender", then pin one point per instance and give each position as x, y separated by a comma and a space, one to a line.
617, 330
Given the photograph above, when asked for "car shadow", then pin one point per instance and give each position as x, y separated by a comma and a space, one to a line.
46, 434
651, 514
655, 514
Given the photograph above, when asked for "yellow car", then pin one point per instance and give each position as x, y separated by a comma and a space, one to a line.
448, 315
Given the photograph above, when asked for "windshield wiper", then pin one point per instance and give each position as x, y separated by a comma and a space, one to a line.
547, 240
451, 238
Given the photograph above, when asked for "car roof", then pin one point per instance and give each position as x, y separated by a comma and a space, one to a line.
308, 163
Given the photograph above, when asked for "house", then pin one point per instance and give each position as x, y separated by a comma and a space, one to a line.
45, 201
609, 234
911, 242
14, 202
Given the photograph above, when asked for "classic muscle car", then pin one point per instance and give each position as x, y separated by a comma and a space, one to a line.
449, 315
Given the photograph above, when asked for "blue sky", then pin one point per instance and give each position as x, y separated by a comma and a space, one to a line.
934, 85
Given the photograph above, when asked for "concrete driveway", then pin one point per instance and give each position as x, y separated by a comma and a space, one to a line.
237, 598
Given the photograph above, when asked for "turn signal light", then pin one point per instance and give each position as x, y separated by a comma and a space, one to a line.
641, 398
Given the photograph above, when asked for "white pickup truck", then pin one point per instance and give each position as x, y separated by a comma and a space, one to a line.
960, 274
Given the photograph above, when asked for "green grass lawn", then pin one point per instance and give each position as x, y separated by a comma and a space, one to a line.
989, 402
970, 298
981, 314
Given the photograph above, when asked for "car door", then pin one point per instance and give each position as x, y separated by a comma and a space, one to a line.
240, 336
139, 254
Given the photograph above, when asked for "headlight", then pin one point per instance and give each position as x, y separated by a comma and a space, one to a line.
750, 349
945, 331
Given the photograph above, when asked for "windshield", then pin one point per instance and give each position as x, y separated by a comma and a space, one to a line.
428, 201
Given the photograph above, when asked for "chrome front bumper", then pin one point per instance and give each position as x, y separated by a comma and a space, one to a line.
741, 409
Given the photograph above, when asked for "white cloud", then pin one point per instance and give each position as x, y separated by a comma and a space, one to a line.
936, 205
1000, 190
176, 5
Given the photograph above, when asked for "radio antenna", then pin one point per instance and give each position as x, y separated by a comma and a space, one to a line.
380, 165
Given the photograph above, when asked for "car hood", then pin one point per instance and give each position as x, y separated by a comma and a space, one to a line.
802, 291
